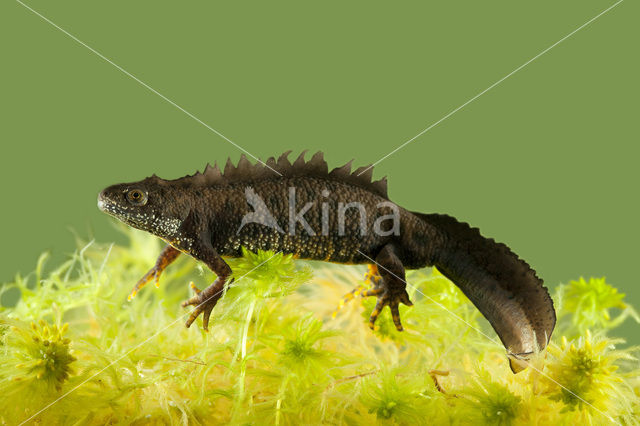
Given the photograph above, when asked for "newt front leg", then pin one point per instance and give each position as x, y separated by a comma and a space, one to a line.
167, 256
205, 300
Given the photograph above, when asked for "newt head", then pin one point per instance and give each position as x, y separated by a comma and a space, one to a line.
150, 205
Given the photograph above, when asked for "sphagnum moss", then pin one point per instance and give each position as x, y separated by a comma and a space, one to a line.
275, 354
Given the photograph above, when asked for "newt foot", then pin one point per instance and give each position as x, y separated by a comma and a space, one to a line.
168, 255
386, 298
347, 298
152, 275
434, 376
204, 302
371, 276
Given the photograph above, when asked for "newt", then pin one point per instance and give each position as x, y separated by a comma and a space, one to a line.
339, 216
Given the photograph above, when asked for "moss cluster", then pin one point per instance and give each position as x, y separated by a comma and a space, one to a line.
73, 350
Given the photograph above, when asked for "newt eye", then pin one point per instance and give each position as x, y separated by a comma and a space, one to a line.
137, 197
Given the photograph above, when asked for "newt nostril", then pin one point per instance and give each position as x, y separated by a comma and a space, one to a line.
102, 200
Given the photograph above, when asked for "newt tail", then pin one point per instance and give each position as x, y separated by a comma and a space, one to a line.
336, 216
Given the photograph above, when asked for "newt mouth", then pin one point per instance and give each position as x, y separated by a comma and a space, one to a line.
110, 207
104, 204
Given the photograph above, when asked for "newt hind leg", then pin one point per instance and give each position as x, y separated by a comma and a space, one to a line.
390, 288
388, 279
371, 276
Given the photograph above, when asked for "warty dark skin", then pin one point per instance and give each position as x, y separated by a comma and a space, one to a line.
206, 216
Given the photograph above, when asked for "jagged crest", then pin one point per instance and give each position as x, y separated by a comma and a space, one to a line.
246, 171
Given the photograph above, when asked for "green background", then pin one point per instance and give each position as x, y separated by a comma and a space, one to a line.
546, 161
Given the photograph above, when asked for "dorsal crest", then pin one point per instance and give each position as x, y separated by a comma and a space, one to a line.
246, 171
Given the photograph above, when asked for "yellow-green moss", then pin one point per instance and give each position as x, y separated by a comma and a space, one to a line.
275, 354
